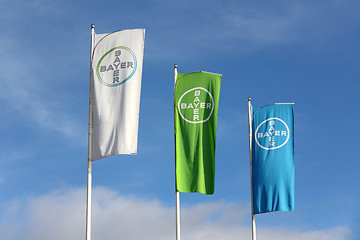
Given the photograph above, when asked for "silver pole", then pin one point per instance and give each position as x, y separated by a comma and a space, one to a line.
177, 193
250, 146
89, 177
177, 215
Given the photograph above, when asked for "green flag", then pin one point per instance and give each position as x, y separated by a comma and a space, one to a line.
196, 107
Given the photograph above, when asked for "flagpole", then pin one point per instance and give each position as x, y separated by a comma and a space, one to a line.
177, 214
253, 226
89, 176
177, 193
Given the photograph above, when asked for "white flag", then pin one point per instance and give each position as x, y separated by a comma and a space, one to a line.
116, 83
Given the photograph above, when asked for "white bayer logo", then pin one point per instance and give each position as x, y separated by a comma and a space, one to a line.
196, 105
273, 133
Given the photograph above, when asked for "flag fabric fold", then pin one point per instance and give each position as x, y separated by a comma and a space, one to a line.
195, 112
273, 171
116, 71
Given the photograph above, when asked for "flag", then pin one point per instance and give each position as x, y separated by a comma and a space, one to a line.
273, 172
116, 70
196, 107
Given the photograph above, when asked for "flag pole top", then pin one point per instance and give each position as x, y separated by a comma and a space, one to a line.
92, 26
249, 99
175, 65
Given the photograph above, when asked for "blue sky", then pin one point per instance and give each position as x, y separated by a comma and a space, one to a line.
306, 52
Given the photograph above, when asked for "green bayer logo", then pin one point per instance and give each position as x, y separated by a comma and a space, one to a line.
196, 105
116, 66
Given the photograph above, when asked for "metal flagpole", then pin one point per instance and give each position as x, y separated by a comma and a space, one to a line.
89, 177
177, 214
177, 193
253, 234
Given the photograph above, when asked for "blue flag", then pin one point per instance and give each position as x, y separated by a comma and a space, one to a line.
273, 171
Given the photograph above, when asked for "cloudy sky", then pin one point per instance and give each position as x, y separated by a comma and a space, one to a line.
306, 52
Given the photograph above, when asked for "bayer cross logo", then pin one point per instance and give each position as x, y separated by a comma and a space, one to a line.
196, 105
116, 66
273, 133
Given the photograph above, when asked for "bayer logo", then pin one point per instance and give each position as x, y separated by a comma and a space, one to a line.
196, 105
273, 133
116, 66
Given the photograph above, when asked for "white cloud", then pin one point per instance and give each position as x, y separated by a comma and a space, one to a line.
61, 215
213, 28
229, 26
26, 90
336, 233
